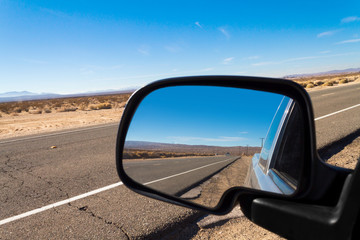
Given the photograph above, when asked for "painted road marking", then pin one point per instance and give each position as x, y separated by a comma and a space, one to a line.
178, 174
340, 111
69, 200
327, 94
66, 201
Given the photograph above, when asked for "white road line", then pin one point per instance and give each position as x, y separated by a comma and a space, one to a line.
58, 133
175, 175
327, 94
343, 110
66, 201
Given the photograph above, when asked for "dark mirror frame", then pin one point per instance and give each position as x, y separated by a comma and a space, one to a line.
231, 196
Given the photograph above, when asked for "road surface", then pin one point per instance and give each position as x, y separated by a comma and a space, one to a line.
176, 175
56, 184
336, 101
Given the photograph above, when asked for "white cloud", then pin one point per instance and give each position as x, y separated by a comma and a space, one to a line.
55, 12
173, 48
144, 50
206, 70
91, 69
228, 60
34, 61
198, 24
350, 19
251, 58
349, 41
302, 58
324, 52
224, 31
328, 33
264, 63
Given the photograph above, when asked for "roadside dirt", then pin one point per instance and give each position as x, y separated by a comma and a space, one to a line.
232, 226
242, 228
313, 83
23, 124
233, 175
33, 117
348, 157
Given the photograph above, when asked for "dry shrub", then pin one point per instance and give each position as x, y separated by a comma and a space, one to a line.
67, 109
47, 110
328, 84
17, 110
310, 85
66, 104
83, 106
101, 106
35, 111
119, 105
302, 84
342, 81
93, 107
105, 105
319, 83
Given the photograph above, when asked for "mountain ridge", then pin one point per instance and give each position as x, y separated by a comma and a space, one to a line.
332, 72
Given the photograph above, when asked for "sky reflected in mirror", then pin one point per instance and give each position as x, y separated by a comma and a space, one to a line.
204, 115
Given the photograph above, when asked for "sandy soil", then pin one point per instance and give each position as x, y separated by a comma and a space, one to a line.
238, 228
242, 228
25, 124
313, 83
316, 88
348, 157
210, 192
234, 227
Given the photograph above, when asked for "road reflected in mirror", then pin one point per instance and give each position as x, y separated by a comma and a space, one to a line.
196, 142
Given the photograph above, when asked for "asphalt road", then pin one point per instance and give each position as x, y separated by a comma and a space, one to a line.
337, 126
34, 175
176, 175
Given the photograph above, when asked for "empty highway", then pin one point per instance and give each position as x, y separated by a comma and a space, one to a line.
72, 190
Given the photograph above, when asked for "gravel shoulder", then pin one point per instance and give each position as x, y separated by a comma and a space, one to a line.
239, 227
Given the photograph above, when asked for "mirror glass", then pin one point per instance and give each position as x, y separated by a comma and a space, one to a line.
196, 142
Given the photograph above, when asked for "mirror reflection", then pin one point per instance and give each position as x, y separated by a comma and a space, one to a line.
195, 142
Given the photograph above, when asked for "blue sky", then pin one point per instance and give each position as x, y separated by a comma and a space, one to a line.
198, 115
80, 46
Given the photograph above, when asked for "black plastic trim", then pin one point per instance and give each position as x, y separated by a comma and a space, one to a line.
312, 221
230, 197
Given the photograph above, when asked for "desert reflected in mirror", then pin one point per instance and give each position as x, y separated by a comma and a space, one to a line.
195, 142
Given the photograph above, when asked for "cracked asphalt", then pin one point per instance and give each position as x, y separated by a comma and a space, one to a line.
33, 175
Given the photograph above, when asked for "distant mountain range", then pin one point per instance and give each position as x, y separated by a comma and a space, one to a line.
333, 72
26, 96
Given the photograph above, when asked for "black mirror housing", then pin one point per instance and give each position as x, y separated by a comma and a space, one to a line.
231, 196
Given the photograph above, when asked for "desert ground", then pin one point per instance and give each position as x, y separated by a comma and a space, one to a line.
40, 116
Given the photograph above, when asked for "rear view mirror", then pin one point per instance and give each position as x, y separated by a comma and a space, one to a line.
195, 142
